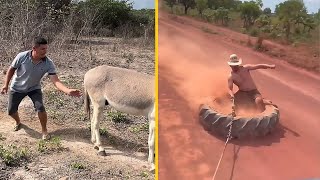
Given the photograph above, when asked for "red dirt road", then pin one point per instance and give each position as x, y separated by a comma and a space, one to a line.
192, 65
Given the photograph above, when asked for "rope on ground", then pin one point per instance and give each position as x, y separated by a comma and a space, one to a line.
225, 145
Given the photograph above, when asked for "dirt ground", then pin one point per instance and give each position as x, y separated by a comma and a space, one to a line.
70, 154
192, 67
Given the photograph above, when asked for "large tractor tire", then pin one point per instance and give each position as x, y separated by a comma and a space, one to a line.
243, 126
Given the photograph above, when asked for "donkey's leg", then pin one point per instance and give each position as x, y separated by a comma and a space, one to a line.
151, 139
97, 115
93, 134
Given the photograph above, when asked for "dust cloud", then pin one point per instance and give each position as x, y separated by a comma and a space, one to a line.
200, 75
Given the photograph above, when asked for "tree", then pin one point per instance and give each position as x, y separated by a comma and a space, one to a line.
222, 14
214, 4
109, 12
263, 22
308, 22
267, 11
250, 11
228, 4
316, 17
171, 3
201, 5
259, 3
187, 4
237, 5
290, 12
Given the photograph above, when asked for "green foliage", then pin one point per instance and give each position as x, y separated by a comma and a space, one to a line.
250, 11
117, 116
77, 166
222, 14
187, 4
257, 21
267, 11
170, 3
12, 155
117, 16
264, 23
140, 127
291, 12
259, 3
316, 17
104, 13
208, 15
254, 32
228, 4
54, 144
201, 5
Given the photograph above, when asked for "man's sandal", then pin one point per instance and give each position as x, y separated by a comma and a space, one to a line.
17, 127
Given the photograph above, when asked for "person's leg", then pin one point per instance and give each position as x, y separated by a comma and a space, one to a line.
14, 101
36, 97
259, 101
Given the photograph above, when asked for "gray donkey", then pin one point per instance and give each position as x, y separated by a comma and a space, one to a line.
125, 90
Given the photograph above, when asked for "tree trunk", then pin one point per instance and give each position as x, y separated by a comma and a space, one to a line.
186, 10
288, 31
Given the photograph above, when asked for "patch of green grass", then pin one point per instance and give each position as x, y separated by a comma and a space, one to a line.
140, 127
54, 144
144, 174
117, 116
12, 155
103, 131
77, 166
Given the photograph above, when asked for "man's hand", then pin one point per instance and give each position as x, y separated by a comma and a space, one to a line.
4, 90
74, 92
231, 97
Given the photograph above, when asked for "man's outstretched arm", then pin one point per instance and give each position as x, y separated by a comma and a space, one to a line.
259, 66
58, 84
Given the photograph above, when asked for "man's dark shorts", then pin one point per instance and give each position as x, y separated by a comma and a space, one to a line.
15, 99
253, 94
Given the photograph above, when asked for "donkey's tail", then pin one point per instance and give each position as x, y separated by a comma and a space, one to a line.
87, 103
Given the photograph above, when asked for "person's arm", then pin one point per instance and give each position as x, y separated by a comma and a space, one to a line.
59, 85
259, 66
230, 86
10, 73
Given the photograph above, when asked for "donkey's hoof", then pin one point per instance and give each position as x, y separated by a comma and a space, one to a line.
102, 153
152, 169
96, 147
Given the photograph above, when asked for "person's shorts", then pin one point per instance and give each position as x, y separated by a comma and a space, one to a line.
15, 99
253, 93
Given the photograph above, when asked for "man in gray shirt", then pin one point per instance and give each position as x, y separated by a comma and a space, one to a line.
28, 68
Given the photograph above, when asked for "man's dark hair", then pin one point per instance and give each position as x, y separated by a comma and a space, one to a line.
37, 41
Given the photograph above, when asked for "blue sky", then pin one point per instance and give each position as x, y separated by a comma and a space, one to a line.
140, 4
311, 5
